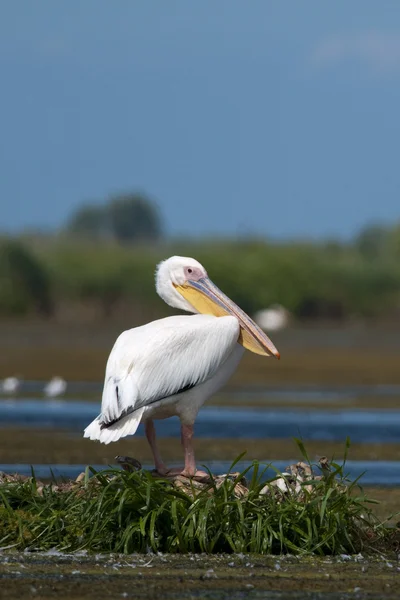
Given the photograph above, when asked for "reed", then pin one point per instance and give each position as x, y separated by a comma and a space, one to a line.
120, 511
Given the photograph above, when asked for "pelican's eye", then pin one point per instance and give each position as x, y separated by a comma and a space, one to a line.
193, 273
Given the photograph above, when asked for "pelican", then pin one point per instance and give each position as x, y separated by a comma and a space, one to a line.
171, 366
274, 318
10, 385
55, 387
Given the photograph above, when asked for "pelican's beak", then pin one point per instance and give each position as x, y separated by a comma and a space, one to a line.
208, 299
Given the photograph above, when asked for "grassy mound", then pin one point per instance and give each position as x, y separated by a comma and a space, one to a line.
122, 511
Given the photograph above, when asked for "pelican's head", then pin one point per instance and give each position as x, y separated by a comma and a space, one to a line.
183, 283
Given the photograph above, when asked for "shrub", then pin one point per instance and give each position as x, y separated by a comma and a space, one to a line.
24, 282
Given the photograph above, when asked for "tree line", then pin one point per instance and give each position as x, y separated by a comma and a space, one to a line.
125, 217
328, 280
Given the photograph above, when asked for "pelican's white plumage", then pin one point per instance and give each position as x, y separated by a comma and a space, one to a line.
150, 364
173, 365
10, 385
274, 318
55, 387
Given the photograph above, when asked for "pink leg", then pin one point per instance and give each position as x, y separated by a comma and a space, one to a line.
190, 462
151, 438
187, 443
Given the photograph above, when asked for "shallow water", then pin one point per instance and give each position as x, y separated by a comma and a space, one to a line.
331, 419
300, 391
375, 426
377, 473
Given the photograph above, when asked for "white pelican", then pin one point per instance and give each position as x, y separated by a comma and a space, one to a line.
10, 385
274, 318
173, 365
55, 387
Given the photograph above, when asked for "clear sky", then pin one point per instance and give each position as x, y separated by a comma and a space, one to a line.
275, 118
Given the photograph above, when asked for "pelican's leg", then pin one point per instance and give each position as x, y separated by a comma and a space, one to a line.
190, 462
151, 438
189, 470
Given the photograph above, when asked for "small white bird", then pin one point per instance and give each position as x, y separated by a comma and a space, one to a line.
171, 366
10, 385
55, 387
274, 318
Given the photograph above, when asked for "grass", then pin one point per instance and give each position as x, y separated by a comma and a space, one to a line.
124, 512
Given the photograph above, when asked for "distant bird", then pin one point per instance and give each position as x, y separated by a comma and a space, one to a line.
171, 366
274, 318
55, 387
10, 385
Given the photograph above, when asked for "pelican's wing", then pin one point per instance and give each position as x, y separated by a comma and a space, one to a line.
162, 359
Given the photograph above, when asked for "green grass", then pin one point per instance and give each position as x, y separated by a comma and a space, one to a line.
120, 511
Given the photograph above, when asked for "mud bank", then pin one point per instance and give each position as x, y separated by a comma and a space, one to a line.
80, 575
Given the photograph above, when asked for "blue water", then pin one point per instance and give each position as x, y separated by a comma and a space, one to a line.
29, 409
375, 426
383, 473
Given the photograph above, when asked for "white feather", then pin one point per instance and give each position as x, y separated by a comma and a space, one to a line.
149, 364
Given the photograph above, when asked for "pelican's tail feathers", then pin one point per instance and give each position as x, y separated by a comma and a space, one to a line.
125, 426
118, 416
93, 430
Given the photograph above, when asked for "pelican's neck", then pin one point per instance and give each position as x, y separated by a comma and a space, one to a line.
173, 298
167, 291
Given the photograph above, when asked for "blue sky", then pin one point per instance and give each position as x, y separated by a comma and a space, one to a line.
278, 119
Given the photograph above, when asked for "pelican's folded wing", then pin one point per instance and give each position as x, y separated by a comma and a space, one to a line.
162, 359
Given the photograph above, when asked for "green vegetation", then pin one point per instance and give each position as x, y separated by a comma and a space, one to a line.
121, 511
104, 261
24, 282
